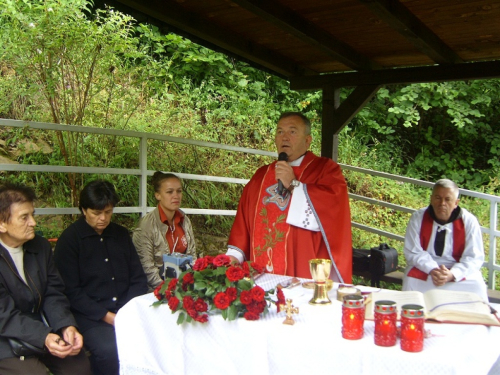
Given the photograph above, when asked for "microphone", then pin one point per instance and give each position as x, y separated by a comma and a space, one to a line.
281, 157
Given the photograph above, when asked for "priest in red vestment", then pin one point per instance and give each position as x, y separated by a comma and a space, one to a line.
295, 210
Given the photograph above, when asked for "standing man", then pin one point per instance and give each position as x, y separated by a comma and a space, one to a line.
309, 218
444, 241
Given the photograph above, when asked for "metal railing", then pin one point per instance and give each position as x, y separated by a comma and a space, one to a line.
143, 173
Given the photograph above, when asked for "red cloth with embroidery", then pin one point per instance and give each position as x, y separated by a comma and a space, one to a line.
327, 191
425, 235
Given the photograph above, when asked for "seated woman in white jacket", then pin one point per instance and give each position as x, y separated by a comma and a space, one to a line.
164, 230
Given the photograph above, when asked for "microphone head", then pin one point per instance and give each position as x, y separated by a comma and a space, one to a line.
283, 156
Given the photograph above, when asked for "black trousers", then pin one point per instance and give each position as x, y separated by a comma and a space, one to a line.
101, 342
71, 365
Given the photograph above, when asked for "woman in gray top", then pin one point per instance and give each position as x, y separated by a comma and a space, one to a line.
164, 230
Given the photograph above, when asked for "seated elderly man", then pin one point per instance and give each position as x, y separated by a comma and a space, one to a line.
443, 245
30, 285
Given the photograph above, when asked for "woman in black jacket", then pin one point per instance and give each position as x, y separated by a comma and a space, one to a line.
102, 272
30, 285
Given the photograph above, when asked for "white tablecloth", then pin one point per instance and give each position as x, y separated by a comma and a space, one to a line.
150, 342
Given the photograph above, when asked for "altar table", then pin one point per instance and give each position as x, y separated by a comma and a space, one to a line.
150, 342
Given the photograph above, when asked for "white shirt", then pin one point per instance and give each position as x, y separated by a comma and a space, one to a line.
472, 258
17, 255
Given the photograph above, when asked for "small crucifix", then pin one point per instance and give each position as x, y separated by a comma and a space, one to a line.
290, 310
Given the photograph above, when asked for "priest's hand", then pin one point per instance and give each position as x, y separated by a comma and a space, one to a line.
441, 276
284, 172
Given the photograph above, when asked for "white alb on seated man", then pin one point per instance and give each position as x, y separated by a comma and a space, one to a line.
443, 245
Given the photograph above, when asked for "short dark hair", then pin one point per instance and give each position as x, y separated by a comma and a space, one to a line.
303, 117
159, 177
13, 193
97, 195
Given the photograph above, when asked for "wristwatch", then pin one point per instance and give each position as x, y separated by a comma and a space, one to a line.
293, 185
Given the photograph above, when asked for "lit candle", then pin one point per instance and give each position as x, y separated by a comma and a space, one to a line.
385, 323
353, 317
412, 328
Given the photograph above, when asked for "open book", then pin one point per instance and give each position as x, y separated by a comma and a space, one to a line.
440, 305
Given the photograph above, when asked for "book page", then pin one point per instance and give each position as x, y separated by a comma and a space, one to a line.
456, 306
401, 298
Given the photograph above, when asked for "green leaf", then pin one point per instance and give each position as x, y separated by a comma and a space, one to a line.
180, 318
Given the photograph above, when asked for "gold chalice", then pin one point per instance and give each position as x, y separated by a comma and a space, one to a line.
320, 271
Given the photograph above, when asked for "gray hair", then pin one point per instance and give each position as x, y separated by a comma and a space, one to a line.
304, 119
447, 184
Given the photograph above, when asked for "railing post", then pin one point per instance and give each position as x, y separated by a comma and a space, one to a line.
493, 244
143, 166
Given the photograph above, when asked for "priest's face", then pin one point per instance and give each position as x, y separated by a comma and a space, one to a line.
444, 201
292, 138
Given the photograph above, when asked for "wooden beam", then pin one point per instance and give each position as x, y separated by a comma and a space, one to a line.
289, 21
407, 24
329, 140
171, 13
336, 116
437, 73
352, 105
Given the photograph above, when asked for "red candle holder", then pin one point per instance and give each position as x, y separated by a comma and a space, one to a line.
385, 323
412, 328
353, 317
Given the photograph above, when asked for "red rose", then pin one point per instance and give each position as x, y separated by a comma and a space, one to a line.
210, 259
188, 278
202, 318
234, 273
168, 294
172, 284
188, 303
200, 264
258, 293
257, 267
246, 269
281, 299
246, 297
251, 316
256, 307
221, 260
192, 313
157, 291
173, 303
200, 305
232, 293
221, 301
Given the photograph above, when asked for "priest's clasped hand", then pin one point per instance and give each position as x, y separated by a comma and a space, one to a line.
441, 275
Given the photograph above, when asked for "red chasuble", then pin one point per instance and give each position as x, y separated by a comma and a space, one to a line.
261, 233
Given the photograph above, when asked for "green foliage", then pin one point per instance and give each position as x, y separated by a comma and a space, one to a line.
61, 61
453, 128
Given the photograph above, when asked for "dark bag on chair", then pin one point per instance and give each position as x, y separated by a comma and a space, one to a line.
383, 259
21, 348
360, 261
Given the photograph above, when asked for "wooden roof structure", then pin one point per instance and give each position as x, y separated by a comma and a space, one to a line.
329, 44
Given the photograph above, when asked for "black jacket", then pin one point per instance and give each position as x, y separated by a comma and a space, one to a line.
101, 272
20, 303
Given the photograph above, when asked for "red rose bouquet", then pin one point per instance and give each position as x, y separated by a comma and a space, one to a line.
215, 284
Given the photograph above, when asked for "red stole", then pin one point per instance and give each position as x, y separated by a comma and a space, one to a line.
270, 249
425, 235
